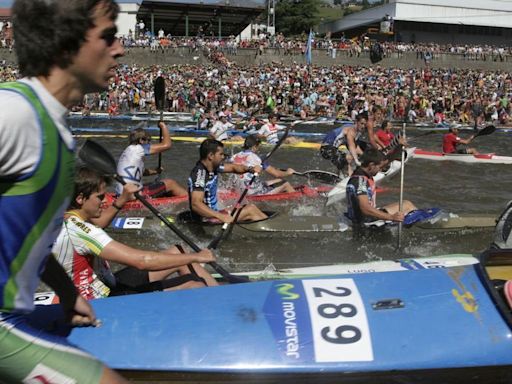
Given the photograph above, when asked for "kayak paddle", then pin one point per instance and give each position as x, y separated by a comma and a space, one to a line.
235, 212
98, 158
485, 131
160, 102
322, 176
403, 153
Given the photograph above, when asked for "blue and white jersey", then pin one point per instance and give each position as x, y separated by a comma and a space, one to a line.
131, 165
201, 179
337, 137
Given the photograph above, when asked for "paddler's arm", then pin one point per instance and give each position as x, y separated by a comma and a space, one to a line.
466, 141
166, 140
199, 207
272, 171
351, 143
240, 168
107, 215
152, 261
159, 147
76, 308
371, 134
368, 210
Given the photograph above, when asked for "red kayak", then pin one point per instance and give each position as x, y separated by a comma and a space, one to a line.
300, 191
486, 158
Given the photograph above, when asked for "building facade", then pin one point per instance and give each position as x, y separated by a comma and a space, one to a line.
421, 21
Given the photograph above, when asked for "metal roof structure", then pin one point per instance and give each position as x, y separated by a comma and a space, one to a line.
184, 17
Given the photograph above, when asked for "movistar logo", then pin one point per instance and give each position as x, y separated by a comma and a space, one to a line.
284, 290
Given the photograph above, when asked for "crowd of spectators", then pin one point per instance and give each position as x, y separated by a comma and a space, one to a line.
455, 95
460, 95
295, 46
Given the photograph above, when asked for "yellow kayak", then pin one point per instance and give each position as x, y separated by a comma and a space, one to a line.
199, 139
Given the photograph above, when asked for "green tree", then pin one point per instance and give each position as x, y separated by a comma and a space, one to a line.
294, 17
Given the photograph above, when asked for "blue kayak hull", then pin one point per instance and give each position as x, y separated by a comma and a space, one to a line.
419, 322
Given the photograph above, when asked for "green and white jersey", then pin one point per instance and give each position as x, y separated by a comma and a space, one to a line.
36, 182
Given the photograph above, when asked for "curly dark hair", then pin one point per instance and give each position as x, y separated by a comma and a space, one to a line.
51, 32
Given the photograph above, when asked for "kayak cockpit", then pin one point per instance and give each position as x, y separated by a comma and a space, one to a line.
186, 218
496, 270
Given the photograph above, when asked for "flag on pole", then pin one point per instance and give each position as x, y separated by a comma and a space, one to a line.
308, 47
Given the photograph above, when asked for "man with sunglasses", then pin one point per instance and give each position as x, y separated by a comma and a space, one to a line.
131, 164
65, 49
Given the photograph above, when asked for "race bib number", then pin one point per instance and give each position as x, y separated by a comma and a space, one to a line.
338, 321
128, 223
45, 298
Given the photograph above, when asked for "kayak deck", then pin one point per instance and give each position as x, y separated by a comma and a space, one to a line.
390, 309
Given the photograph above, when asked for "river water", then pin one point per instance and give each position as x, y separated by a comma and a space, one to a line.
456, 187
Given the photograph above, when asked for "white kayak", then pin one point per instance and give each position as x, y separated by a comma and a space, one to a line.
338, 193
406, 264
483, 158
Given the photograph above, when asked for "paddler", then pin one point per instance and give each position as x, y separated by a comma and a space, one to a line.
389, 144
131, 164
202, 185
250, 158
65, 49
362, 196
270, 131
374, 121
384, 136
221, 128
85, 250
451, 142
342, 145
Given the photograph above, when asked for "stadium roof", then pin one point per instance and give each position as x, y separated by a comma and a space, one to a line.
171, 15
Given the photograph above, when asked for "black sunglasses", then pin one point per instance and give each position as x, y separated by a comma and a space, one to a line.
109, 35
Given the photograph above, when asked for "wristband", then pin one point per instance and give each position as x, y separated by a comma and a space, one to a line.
116, 206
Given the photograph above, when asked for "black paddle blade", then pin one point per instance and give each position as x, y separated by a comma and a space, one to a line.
486, 131
98, 158
160, 92
323, 176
